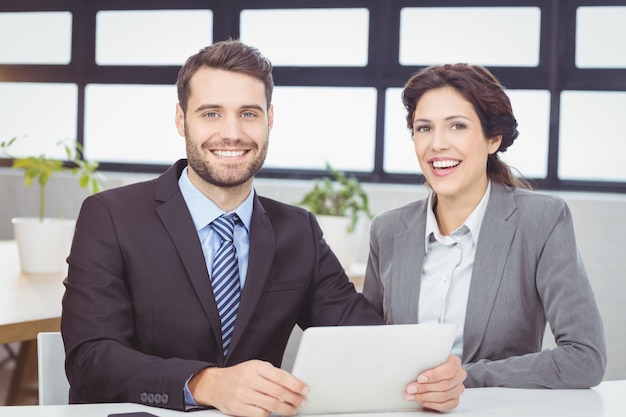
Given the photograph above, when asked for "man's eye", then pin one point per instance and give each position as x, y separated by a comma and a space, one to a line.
248, 114
210, 114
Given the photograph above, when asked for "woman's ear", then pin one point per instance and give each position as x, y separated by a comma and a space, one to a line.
493, 144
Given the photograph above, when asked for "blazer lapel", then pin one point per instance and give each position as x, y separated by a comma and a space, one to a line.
261, 256
408, 257
496, 236
176, 219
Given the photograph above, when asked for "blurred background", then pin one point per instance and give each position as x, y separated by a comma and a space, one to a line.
102, 73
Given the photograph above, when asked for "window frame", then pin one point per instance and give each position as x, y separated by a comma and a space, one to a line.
555, 72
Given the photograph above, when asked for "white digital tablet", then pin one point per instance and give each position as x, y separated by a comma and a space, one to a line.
352, 369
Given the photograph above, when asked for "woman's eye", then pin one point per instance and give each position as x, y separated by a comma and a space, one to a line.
457, 126
421, 129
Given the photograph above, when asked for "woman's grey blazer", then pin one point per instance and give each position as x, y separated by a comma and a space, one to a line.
527, 270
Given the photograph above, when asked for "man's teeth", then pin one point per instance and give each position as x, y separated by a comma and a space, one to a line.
228, 153
445, 164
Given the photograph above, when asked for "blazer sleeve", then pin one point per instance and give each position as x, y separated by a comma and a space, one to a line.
564, 291
98, 324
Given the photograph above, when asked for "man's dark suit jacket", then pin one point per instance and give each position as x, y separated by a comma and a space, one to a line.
139, 317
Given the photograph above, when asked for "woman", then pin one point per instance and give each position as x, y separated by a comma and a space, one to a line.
483, 251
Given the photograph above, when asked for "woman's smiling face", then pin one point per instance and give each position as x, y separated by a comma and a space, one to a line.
450, 145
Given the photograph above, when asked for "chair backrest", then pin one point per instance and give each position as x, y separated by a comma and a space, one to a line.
53, 385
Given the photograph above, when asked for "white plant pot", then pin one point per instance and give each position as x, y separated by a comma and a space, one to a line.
43, 246
345, 245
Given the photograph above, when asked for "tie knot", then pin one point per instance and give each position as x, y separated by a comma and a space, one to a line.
225, 225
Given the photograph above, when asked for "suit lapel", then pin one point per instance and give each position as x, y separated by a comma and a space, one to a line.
408, 257
496, 235
261, 256
176, 219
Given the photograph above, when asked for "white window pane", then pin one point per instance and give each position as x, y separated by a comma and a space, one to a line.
399, 151
40, 115
591, 139
528, 154
36, 38
600, 34
492, 36
308, 37
154, 37
132, 123
313, 125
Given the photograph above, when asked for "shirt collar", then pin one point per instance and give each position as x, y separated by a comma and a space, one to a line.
203, 211
472, 223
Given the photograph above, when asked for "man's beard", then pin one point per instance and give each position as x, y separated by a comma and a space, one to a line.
225, 177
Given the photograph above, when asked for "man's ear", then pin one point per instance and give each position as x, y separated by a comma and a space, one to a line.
270, 117
179, 120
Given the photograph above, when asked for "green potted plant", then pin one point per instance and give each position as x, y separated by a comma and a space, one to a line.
43, 242
338, 203
343, 196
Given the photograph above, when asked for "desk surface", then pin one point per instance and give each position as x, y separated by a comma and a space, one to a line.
29, 303
605, 400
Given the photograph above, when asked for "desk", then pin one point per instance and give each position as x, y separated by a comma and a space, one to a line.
29, 304
605, 400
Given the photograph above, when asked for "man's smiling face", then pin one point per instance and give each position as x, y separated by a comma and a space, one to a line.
226, 127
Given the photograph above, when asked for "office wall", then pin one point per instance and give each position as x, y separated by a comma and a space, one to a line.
599, 219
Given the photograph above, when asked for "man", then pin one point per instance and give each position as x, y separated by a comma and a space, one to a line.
141, 321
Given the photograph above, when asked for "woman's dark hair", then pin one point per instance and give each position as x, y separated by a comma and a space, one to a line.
229, 55
493, 107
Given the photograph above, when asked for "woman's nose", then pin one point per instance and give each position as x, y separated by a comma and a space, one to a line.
439, 140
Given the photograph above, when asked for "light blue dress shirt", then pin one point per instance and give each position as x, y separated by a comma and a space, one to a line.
203, 211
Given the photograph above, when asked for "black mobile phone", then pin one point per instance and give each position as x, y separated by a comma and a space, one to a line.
133, 414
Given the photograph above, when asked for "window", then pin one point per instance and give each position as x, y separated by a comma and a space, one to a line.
104, 75
313, 126
35, 37
155, 37
600, 35
491, 36
40, 115
147, 113
399, 153
591, 135
308, 37
529, 153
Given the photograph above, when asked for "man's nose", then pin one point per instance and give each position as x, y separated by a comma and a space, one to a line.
230, 128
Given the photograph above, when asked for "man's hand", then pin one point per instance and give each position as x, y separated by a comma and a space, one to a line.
439, 388
249, 389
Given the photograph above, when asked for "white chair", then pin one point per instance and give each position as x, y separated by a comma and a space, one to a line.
53, 385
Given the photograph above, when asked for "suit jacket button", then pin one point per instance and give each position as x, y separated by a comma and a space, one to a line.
165, 398
157, 398
143, 397
150, 398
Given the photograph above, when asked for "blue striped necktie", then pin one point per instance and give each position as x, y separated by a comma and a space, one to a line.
225, 277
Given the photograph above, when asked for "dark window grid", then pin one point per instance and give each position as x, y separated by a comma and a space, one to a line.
555, 72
